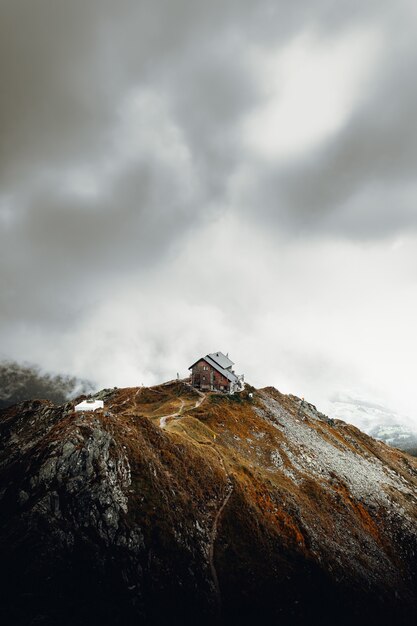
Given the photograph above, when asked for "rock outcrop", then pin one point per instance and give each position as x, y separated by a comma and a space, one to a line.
170, 507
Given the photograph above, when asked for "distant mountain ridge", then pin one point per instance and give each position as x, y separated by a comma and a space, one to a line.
171, 506
377, 421
396, 435
20, 382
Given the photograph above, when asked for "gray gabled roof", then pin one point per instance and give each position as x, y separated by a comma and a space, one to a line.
229, 375
222, 370
221, 359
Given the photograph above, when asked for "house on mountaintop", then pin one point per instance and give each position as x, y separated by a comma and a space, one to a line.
214, 372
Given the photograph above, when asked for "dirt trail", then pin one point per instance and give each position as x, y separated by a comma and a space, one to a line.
203, 397
214, 533
164, 419
229, 490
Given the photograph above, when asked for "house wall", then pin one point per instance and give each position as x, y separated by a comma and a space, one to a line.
204, 376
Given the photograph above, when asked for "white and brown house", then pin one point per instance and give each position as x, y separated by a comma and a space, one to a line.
214, 372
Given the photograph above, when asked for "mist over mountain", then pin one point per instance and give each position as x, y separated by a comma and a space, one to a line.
19, 382
397, 435
378, 421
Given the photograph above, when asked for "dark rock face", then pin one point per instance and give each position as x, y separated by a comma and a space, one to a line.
170, 507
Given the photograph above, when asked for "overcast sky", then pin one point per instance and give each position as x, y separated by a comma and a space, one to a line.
184, 176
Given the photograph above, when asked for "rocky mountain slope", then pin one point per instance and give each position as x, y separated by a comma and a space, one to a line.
174, 507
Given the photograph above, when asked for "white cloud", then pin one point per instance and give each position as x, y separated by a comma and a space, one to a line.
311, 87
6, 211
142, 130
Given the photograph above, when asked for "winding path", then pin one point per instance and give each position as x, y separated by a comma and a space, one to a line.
163, 420
229, 490
213, 537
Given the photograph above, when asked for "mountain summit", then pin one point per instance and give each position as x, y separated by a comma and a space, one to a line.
173, 506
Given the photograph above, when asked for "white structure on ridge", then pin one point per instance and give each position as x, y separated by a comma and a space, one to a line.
89, 405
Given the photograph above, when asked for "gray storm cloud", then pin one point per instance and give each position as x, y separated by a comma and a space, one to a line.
116, 138
138, 225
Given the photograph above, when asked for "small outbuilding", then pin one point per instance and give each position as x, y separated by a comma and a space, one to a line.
214, 372
89, 405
